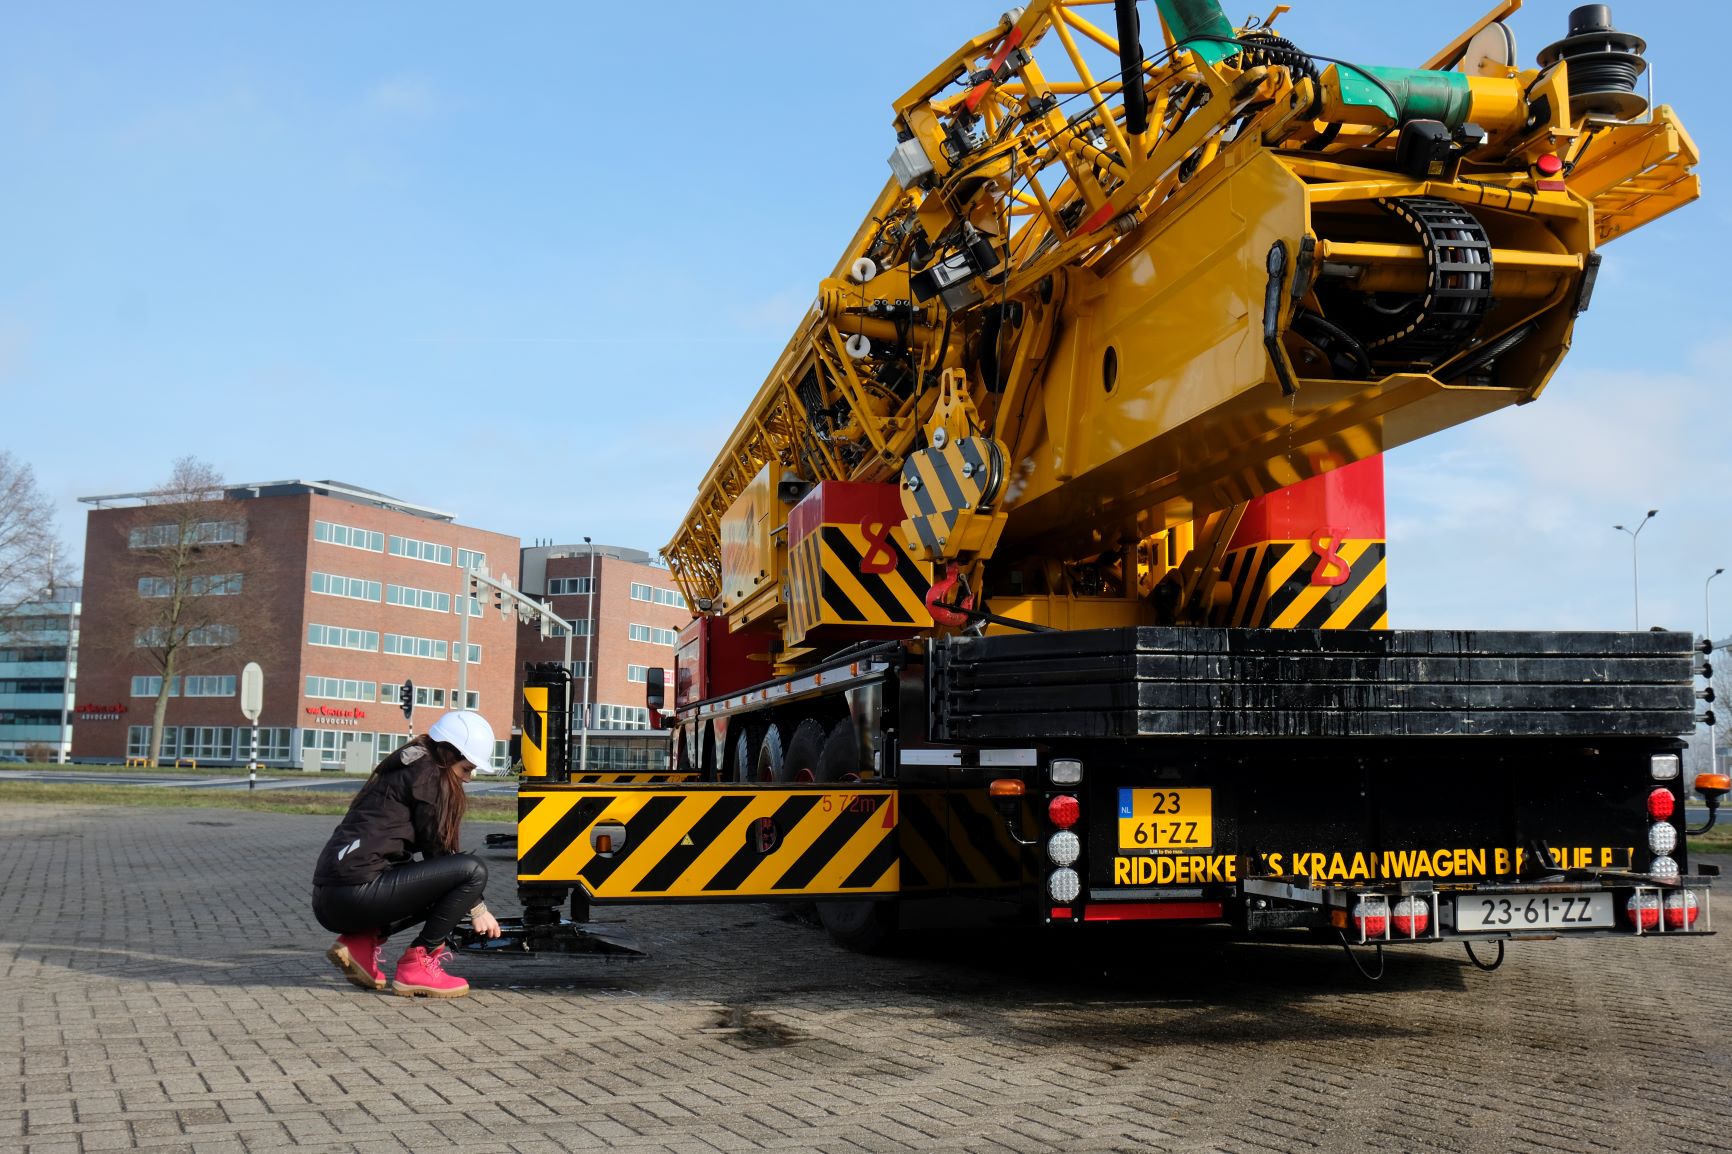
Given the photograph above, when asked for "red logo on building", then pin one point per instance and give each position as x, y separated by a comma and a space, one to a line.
100, 712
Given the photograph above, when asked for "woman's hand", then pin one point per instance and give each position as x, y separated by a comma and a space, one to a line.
485, 924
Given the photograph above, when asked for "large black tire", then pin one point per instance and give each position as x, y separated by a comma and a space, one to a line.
711, 763
769, 759
800, 763
864, 927
744, 766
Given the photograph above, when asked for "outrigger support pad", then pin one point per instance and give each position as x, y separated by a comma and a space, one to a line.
563, 936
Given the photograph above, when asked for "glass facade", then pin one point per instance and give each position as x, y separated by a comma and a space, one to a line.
38, 676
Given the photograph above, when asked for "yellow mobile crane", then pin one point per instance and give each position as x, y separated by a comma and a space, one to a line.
1045, 567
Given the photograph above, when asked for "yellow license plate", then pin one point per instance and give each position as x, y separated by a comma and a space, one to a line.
1152, 820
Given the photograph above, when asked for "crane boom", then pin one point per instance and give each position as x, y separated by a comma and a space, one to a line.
1119, 286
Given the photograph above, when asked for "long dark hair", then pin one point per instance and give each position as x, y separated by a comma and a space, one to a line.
453, 801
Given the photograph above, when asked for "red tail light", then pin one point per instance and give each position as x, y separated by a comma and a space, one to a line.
1660, 805
1681, 910
1644, 911
1372, 918
1412, 917
1063, 811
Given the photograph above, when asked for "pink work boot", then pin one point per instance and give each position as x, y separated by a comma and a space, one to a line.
357, 955
421, 973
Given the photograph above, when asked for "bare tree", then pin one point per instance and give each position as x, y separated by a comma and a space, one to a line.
192, 550
28, 553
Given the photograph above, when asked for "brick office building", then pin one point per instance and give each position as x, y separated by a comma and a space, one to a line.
629, 611
340, 594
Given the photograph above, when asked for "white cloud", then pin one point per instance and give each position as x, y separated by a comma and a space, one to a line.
1507, 522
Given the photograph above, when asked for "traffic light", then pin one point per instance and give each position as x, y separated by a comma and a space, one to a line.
406, 697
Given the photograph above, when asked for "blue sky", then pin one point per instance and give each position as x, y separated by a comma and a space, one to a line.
529, 268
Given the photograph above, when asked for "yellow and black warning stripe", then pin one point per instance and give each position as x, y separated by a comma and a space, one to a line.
957, 839
534, 748
696, 841
842, 575
631, 778
943, 483
1275, 586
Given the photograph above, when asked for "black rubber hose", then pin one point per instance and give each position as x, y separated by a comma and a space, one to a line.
1136, 97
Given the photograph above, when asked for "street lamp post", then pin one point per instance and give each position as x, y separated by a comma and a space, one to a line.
1708, 629
1635, 571
1708, 609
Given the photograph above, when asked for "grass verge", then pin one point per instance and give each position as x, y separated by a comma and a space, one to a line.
1716, 840
270, 801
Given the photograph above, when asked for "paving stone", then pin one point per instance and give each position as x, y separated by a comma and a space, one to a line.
167, 989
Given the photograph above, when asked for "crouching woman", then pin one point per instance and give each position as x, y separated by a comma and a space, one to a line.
368, 886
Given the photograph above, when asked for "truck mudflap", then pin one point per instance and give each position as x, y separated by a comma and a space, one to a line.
1422, 911
696, 842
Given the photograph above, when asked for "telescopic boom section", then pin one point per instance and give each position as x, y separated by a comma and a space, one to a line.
1143, 279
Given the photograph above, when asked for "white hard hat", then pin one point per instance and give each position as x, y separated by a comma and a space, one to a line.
469, 732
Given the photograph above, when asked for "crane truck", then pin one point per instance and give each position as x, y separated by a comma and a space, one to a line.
1042, 580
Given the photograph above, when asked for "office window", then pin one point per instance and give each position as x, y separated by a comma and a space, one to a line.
151, 686
474, 653
138, 741
209, 685
578, 629
652, 635
621, 717
650, 593
563, 586
406, 646
338, 689
427, 695
157, 636
204, 585
468, 559
209, 742
420, 550
345, 535
333, 585
203, 533
333, 743
474, 700
339, 638
417, 598
638, 673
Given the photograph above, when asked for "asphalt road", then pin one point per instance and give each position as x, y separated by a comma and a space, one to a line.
165, 989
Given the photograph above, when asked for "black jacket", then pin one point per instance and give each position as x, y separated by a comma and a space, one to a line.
395, 816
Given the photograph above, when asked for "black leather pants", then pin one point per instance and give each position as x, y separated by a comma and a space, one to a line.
438, 891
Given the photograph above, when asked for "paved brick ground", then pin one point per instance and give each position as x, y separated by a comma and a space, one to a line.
162, 987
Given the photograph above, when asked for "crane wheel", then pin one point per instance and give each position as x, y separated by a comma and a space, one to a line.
863, 927
769, 760
744, 766
801, 761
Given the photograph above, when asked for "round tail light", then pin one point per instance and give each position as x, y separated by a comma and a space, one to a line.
1681, 910
1663, 869
1412, 917
1063, 848
1660, 805
1372, 918
1063, 811
1063, 886
1662, 838
1644, 910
